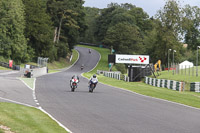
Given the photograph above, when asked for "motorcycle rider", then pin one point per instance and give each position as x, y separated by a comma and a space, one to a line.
75, 78
94, 80
89, 51
82, 66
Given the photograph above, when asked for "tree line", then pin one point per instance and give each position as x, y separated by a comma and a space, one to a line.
51, 28
130, 30
46, 28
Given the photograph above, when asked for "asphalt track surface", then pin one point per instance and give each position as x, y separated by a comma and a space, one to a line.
109, 109
14, 90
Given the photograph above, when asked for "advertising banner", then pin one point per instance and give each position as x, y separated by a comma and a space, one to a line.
10, 63
132, 59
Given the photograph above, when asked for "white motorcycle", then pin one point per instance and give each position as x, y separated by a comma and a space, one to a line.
92, 86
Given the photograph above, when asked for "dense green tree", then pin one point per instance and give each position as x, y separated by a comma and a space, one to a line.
115, 14
12, 25
91, 15
165, 34
103, 22
39, 29
125, 38
68, 17
141, 18
191, 23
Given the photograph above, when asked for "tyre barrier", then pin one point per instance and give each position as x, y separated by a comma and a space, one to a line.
195, 86
6, 65
164, 83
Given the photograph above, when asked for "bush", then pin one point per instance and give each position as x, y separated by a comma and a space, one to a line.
121, 68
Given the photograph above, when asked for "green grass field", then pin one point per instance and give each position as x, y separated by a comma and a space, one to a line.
28, 81
3, 68
22, 119
181, 76
187, 98
62, 63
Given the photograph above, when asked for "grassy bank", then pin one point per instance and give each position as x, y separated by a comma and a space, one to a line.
181, 77
55, 66
23, 119
62, 63
3, 68
187, 98
31, 120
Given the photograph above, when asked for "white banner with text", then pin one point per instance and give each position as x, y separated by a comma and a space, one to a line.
132, 59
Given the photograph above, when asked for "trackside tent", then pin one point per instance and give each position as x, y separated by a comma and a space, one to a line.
185, 64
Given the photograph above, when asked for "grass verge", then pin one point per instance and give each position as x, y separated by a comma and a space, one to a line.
181, 77
62, 63
27, 120
31, 120
3, 68
187, 98
28, 81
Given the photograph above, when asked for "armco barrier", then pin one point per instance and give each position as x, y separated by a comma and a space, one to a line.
195, 86
115, 74
170, 84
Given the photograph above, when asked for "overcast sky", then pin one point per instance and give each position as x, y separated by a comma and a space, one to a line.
149, 6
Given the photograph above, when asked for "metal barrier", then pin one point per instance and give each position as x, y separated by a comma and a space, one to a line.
115, 74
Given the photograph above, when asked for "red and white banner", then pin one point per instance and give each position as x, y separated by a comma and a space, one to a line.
10, 63
132, 59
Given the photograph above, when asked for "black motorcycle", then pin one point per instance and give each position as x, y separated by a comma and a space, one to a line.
92, 86
82, 66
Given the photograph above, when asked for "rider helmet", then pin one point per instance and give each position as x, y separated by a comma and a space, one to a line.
94, 76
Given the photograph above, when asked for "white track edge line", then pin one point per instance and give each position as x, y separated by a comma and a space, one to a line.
16, 102
60, 124
25, 83
41, 109
149, 96
139, 93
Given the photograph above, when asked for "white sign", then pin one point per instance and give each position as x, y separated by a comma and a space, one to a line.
132, 59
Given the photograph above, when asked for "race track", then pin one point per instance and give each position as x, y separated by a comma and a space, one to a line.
109, 109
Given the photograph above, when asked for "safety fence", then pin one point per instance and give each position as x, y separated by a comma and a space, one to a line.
164, 83
185, 70
115, 74
195, 86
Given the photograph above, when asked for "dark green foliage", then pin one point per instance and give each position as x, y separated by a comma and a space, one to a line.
191, 23
39, 30
68, 17
91, 15
124, 38
121, 68
165, 34
12, 23
51, 28
27, 31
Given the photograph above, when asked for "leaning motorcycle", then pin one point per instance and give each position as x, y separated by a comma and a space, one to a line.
92, 86
73, 83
